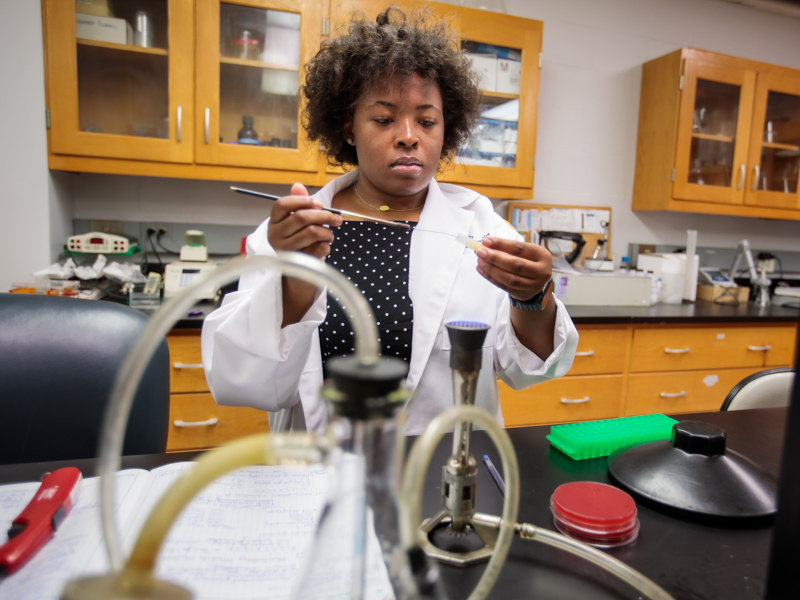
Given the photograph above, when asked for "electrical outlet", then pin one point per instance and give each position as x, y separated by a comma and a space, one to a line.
114, 227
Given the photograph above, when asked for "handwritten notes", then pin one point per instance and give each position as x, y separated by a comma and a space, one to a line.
244, 536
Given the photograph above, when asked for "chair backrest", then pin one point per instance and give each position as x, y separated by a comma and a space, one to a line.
765, 389
58, 360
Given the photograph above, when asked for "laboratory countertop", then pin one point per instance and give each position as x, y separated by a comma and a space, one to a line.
688, 312
692, 560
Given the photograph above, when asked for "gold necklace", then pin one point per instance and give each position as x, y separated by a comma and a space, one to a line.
383, 207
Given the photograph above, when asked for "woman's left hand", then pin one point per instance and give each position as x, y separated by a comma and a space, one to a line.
519, 268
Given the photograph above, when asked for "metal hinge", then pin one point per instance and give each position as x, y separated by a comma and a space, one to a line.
534, 162
683, 70
326, 26
47, 117
680, 87
673, 174
540, 60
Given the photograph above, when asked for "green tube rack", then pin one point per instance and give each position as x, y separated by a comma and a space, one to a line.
600, 438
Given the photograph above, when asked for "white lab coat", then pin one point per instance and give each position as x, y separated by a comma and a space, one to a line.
251, 361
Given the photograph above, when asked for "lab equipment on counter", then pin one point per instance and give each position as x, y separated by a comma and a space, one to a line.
179, 275
759, 280
101, 242
551, 241
695, 476
617, 288
194, 247
134, 577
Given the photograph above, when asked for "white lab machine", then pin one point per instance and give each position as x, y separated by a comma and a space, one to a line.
192, 266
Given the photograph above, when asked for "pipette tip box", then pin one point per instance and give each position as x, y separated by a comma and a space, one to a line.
600, 438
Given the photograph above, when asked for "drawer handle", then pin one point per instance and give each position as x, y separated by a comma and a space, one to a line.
759, 348
575, 401
187, 366
672, 395
677, 350
211, 421
587, 353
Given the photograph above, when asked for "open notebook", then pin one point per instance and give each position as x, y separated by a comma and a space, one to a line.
244, 536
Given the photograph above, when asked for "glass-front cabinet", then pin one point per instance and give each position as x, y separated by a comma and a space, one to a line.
738, 136
208, 89
249, 58
121, 78
718, 135
775, 143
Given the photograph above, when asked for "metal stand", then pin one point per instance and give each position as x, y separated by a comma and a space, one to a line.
759, 280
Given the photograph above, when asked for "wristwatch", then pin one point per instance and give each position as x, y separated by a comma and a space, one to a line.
538, 302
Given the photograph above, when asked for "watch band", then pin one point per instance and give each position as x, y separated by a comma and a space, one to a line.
538, 302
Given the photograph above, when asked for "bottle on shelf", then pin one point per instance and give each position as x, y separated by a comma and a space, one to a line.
247, 135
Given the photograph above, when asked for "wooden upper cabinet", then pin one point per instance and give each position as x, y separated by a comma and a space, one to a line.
719, 135
212, 92
115, 93
249, 58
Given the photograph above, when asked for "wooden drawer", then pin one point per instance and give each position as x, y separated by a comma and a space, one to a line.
681, 391
224, 423
186, 374
684, 348
601, 349
582, 398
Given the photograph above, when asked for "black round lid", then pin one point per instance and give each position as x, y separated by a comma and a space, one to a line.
695, 475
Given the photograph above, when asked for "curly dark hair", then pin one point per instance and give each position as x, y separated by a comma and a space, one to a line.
350, 65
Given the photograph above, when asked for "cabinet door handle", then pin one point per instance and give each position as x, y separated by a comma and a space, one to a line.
672, 395
756, 176
759, 348
741, 177
208, 117
587, 353
187, 366
677, 350
575, 401
180, 119
211, 421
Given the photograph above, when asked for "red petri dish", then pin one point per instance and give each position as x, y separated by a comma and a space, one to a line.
595, 513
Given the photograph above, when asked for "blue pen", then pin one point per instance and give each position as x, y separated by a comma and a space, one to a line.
495, 475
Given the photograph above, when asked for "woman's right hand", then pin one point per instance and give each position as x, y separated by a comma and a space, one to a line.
298, 224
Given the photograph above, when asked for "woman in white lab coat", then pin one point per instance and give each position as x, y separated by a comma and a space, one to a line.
395, 99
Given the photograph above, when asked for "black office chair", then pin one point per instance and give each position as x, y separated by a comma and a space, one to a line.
58, 360
765, 389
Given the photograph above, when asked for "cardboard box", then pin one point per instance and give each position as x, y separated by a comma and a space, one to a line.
723, 295
103, 29
508, 76
485, 65
99, 8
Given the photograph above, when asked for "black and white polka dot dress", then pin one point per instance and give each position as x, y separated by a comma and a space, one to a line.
374, 258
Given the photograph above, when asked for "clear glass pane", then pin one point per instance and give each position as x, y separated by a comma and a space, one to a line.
710, 162
123, 67
494, 141
716, 108
780, 155
259, 76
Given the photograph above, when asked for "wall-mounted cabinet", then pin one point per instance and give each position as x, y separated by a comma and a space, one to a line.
208, 89
718, 135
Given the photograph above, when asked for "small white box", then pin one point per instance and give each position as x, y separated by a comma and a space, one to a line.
485, 65
103, 29
508, 76
602, 289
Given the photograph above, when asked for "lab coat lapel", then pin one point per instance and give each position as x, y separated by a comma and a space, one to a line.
434, 263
